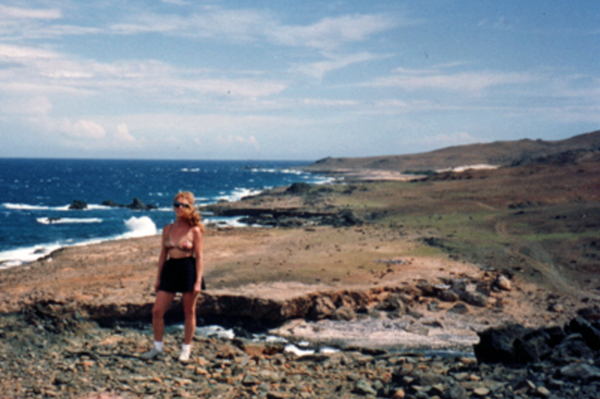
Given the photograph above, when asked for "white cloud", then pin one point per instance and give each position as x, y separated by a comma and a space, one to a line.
319, 69
123, 134
28, 13
465, 82
176, 2
23, 53
84, 129
251, 25
331, 33
46, 71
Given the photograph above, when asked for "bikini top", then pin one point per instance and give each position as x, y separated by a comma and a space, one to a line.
184, 245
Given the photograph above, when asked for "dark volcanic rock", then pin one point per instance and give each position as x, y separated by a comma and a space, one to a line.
112, 204
138, 205
78, 205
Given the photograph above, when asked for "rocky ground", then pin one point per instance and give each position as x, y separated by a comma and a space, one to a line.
47, 355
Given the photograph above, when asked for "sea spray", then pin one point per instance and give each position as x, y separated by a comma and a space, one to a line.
140, 227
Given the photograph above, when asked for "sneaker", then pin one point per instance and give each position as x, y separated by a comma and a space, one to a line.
151, 354
184, 357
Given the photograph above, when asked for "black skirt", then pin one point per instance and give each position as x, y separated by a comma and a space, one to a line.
179, 275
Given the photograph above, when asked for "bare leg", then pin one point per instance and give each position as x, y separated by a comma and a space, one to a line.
161, 304
189, 309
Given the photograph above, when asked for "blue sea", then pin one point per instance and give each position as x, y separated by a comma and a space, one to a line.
35, 195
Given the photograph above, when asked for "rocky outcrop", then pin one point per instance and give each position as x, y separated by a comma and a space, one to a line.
516, 345
78, 205
136, 205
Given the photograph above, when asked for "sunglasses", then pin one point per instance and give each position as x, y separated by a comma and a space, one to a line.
178, 204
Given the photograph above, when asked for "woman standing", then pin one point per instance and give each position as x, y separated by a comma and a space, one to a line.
179, 270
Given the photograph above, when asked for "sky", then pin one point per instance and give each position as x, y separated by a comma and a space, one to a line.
292, 80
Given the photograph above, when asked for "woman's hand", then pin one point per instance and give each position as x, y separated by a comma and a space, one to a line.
156, 285
197, 287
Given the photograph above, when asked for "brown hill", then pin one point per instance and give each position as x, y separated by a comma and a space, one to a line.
500, 153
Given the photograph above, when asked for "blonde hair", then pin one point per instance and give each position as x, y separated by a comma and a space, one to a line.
192, 213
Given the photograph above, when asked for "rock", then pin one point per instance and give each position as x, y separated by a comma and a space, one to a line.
556, 308
323, 307
543, 392
591, 313
362, 387
78, 205
392, 302
346, 218
475, 299
344, 313
590, 334
582, 371
496, 344
455, 392
433, 306
250, 379
459, 308
111, 204
481, 392
399, 394
138, 205
448, 296
503, 283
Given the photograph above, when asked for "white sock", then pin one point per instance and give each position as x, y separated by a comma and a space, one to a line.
186, 347
158, 346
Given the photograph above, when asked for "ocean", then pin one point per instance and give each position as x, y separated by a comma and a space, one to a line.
35, 195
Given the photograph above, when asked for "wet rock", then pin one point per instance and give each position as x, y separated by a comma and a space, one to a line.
138, 205
582, 371
78, 205
112, 204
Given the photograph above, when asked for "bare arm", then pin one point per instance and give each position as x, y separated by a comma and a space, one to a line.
161, 258
198, 255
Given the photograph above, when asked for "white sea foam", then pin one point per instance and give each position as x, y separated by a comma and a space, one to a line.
140, 227
16, 257
239, 193
48, 220
194, 170
27, 207
283, 171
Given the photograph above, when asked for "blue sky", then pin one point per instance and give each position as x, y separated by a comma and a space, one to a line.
183, 79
